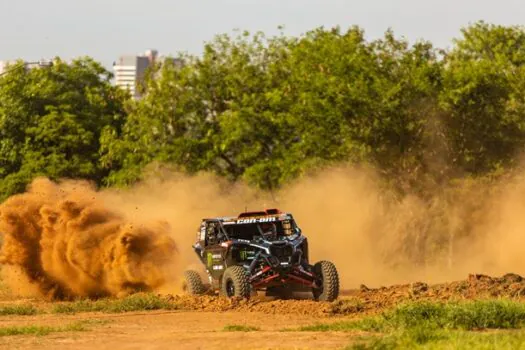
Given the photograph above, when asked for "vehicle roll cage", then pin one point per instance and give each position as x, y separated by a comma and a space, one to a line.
221, 229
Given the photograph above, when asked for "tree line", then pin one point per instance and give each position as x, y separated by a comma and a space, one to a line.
269, 110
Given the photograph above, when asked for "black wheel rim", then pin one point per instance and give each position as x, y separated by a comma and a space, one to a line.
230, 288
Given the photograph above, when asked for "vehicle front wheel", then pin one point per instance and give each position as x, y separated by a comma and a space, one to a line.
235, 283
327, 281
192, 283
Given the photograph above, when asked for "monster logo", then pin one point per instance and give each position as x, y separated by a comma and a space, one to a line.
243, 254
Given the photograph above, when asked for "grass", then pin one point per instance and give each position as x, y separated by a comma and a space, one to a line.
135, 302
445, 340
79, 326
482, 324
483, 314
21, 310
240, 328
474, 315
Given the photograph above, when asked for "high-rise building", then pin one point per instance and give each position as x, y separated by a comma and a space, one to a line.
130, 69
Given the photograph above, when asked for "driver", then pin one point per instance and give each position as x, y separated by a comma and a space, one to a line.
215, 236
269, 231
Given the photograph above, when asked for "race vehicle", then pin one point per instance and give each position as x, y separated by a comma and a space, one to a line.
259, 251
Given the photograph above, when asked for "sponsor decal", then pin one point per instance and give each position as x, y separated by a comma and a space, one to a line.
216, 256
254, 221
218, 267
245, 254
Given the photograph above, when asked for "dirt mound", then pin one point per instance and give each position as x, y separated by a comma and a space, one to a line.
476, 286
365, 300
257, 304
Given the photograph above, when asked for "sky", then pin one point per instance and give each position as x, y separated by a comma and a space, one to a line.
106, 29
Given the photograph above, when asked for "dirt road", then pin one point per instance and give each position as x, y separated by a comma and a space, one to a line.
199, 322
175, 330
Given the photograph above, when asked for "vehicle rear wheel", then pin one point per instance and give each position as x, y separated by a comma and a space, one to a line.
192, 283
327, 281
235, 283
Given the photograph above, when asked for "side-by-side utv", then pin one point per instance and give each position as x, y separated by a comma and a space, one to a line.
255, 251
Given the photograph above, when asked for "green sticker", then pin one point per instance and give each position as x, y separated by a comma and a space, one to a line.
243, 254
210, 259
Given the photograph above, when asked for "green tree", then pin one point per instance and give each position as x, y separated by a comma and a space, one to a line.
483, 97
207, 115
51, 120
269, 110
362, 101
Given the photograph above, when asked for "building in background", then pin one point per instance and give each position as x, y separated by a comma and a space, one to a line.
12, 64
130, 70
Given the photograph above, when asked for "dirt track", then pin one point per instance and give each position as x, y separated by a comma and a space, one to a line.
199, 322
367, 300
180, 330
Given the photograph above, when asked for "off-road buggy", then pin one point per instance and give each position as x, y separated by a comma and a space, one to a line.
259, 251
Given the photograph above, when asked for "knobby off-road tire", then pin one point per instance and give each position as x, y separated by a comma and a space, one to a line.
328, 279
235, 283
193, 284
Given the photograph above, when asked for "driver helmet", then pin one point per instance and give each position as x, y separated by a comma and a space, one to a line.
269, 229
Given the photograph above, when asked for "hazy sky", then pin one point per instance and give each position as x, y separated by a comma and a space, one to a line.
105, 29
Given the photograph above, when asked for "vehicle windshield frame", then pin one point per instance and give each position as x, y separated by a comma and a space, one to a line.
258, 229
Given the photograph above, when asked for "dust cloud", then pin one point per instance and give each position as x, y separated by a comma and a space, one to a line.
376, 238
67, 239
63, 242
